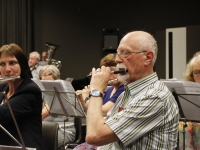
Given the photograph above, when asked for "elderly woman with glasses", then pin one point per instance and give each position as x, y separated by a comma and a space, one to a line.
49, 72
192, 134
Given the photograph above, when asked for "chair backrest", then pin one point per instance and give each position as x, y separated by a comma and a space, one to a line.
79, 137
78, 127
50, 134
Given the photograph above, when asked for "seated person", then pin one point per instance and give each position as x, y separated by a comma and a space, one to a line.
24, 97
44, 56
51, 72
43, 62
192, 134
110, 96
34, 59
145, 115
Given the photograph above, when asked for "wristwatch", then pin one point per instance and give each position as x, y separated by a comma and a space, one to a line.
96, 93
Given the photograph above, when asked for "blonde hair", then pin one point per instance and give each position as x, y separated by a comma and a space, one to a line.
52, 69
189, 67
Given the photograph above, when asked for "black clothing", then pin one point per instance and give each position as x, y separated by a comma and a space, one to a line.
26, 105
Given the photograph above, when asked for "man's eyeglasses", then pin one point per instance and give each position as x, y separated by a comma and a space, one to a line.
196, 73
124, 54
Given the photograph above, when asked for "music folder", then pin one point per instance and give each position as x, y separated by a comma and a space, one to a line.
61, 98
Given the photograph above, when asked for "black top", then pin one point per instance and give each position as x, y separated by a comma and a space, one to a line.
80, 83
26, 105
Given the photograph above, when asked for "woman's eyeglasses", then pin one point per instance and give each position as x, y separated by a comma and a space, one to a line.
196, 73
46, 75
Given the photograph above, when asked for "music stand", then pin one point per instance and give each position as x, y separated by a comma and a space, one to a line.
187, 95
62, 99
38, 82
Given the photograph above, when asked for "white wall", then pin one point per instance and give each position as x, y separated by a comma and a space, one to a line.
179, 52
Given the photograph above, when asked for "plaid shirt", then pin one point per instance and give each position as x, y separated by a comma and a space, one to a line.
148, 118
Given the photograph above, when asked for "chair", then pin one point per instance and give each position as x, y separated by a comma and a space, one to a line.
50, 134
79, 137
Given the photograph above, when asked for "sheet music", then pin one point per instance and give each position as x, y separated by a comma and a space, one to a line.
191, 87
174, 86
182, 87
72, 96
67, 95
38, 82
189, 97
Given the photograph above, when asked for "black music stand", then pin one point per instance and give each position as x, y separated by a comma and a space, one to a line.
187, 95
62, 99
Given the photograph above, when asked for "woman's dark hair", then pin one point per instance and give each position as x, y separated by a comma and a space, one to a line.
17, 52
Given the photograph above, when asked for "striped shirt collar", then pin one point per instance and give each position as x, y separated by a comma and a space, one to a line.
142, 83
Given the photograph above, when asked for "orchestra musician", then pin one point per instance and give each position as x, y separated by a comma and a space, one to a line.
43, 62
34, 59
44, 56
24, 98
114, 90
145, 115
110, 96
192, 134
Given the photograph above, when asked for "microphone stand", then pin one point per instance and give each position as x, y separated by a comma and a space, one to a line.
19, 133
13, 117
10, 135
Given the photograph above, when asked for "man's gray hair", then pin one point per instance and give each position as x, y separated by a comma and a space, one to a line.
36, 54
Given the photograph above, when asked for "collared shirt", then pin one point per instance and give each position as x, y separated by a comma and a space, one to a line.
144, 117
35, 72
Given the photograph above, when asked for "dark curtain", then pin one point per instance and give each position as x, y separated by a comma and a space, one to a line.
16, 23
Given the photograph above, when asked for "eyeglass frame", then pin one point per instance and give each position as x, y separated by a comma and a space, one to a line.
196, 73
47, 75
125, 53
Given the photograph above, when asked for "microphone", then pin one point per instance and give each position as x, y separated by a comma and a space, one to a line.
121, 71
